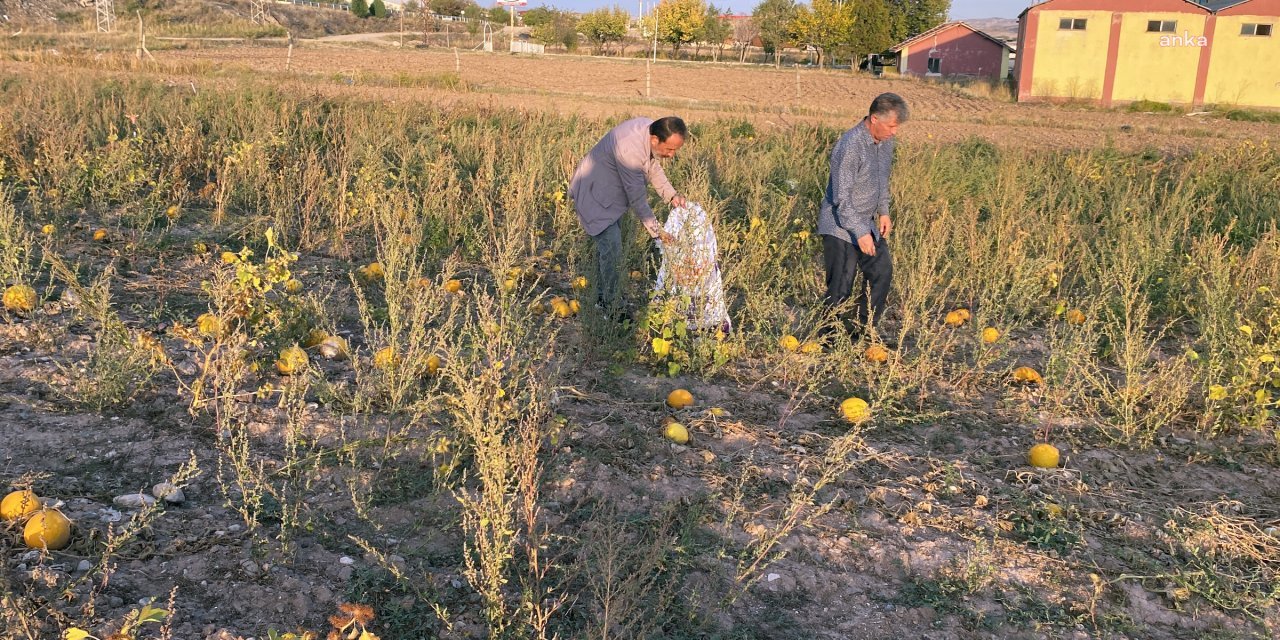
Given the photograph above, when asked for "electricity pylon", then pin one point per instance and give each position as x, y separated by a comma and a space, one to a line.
106, 11
257, 11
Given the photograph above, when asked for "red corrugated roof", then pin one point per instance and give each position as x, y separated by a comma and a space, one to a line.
943, 27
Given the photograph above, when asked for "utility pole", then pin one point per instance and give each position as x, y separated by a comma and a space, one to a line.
258, 11
106, 12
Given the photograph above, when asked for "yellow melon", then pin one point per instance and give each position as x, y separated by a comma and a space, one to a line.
1027, 375
676, 432
876, 353
1044, 455
385, 358
679, 399
209, 325
47, 529
855, 409
314, 338
292, 360
18, 505
20, 298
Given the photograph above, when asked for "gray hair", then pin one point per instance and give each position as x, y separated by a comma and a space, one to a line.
887, 103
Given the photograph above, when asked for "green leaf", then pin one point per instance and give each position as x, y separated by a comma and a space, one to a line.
673, 369
75, 633
151, 614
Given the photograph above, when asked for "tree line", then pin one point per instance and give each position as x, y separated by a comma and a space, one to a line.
832, 29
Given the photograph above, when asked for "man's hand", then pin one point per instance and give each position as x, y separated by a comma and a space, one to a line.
665, 237
678, 201
886, 226
867, 244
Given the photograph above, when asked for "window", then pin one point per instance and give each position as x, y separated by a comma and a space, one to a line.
1072, 24
1162, 26
1263, 30
935, 66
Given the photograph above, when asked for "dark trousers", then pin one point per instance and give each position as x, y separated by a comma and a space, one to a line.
843, 260
608, 262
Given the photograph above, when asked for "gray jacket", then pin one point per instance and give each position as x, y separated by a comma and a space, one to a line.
858, 189
611, 179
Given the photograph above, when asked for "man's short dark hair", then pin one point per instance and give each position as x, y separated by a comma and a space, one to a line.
666, 127
887, 103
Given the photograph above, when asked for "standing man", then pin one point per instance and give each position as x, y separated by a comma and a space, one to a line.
854, 218
611, 179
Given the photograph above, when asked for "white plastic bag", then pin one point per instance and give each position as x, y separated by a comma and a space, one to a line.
689, 267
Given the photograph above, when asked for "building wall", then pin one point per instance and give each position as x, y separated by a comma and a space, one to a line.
1204, 60
1245, 70
961, 51
1158, 66
1068, 63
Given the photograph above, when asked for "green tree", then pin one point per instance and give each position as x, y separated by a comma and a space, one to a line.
499, 15
448, 7
872, 26
360, 8
539, 16
604, 26
909, 18
560, 29
378, 9
773, 20
826, 25
715, 29
680, 22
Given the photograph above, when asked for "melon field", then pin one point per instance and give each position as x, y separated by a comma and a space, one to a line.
303, 347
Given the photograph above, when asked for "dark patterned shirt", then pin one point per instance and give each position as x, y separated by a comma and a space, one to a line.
858, 190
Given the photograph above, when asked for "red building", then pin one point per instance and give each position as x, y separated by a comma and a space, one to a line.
954, 49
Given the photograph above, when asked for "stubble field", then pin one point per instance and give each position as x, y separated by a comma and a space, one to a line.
469, 464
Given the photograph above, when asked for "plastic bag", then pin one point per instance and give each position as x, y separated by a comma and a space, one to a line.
689, 267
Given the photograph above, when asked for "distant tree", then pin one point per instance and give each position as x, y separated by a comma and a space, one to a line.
377, 9
826, 25
872, 27
744, 33
680, 22
474, 16
448, 7
909, 18
560, 29
500, 15
539, 16
604, 26
773, 19
360, 8
715, 29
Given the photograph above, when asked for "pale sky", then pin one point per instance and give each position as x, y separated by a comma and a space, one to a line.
960, 9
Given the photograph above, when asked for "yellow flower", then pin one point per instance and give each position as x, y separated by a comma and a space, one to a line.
661, 347
1217, 392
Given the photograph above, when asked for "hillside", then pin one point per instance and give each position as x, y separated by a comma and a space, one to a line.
1005, 28
196, 18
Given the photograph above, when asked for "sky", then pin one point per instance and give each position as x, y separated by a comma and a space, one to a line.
960, 9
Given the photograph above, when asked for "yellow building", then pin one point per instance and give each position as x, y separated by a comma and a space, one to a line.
1175, 51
